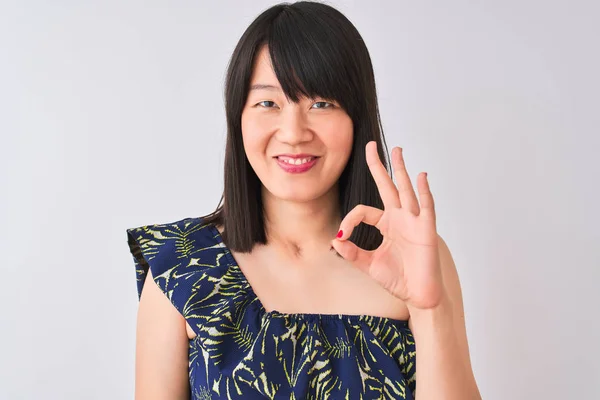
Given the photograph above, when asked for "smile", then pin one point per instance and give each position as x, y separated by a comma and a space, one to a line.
296, 165
295, 161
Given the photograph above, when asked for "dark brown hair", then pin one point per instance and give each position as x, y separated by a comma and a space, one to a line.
316, 52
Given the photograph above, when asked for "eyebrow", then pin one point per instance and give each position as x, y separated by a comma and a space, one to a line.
260, 86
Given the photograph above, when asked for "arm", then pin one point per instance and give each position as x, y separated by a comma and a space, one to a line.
443, 362
161, 364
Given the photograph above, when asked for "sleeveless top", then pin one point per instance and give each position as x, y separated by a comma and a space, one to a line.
242, 351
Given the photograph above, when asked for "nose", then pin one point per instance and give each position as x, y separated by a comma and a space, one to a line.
293, 127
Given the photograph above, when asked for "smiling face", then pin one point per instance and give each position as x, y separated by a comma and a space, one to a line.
298, 150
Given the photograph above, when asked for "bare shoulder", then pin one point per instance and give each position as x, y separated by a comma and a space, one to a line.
448, 266
450, 276
455, 294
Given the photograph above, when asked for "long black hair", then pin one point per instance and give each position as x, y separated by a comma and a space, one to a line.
316, 52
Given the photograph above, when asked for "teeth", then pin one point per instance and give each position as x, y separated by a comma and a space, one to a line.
297, 161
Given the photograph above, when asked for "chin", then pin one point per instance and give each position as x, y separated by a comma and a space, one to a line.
297, 194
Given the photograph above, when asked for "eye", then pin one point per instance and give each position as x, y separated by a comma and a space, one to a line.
267, 102
324, 104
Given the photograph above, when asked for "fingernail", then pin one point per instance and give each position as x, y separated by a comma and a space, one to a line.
339, 234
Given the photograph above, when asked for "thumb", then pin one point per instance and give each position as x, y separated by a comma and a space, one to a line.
360, 258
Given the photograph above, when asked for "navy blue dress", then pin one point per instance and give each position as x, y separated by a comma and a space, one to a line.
242, 351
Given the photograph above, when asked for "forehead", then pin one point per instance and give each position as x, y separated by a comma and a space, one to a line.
264, 77
262, 70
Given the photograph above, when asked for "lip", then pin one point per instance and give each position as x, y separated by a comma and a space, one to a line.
297, 169
303, 155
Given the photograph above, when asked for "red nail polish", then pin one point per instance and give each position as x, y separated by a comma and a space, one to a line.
339, 234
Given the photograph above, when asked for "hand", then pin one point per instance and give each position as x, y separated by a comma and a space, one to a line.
407, 262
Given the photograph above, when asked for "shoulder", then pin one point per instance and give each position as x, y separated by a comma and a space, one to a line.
168, 238
183, 224
448, 266
455, 294
165, 248
184, 258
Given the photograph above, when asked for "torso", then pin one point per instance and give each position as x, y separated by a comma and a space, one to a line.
329, 285
318, 284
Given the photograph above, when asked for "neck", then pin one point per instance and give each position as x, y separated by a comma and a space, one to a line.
297, 227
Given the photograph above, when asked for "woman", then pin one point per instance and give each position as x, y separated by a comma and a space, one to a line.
282, 292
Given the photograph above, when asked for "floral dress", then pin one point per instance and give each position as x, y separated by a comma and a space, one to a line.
242, 351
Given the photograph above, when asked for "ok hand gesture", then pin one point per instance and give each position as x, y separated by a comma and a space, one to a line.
407, 262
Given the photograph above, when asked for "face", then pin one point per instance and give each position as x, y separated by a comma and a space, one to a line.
275, 132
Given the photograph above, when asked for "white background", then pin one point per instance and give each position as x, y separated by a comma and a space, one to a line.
111, 116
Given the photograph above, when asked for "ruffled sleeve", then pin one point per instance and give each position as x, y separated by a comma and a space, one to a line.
184, 264
149, 251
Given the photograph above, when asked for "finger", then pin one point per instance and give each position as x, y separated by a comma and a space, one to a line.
358, 257
425, 197
361, 213
408, 198
385, 185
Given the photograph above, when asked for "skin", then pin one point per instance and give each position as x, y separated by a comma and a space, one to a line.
161, 354
301, 210
414, 264
411, 276
270, 126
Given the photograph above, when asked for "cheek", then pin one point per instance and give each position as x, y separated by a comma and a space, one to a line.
250, 131
255, 137
338, 134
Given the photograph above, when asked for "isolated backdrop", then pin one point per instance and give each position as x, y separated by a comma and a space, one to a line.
111, 116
